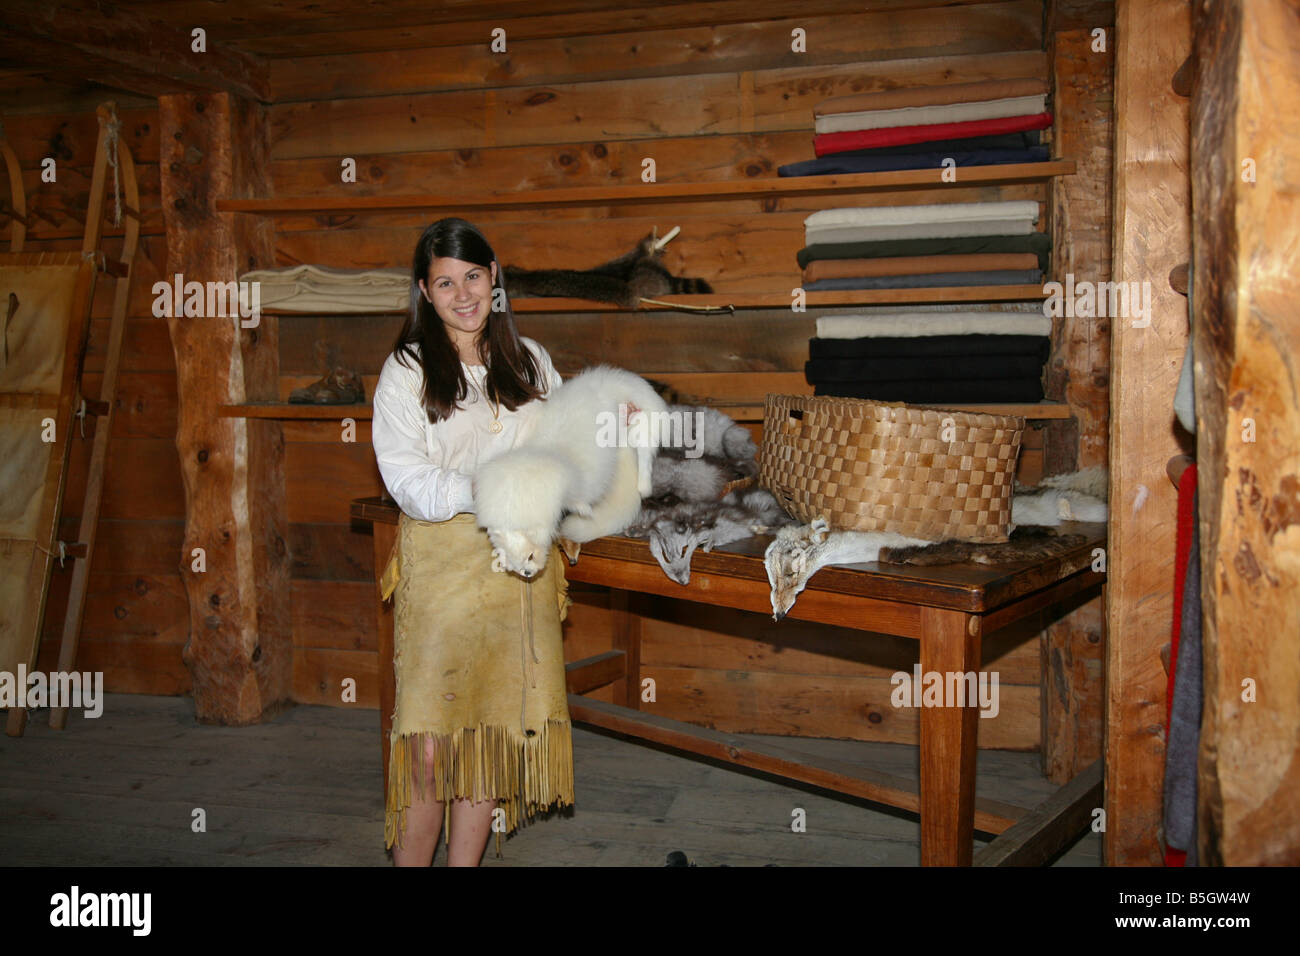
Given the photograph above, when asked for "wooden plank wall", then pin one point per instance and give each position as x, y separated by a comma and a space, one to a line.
706, 104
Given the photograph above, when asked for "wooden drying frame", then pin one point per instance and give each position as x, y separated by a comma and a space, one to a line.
93, 258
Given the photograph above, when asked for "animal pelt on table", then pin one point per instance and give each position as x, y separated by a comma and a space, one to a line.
1077, 496
623, 281
1026, 543
676, 529
714, 451
799, 552
565, 476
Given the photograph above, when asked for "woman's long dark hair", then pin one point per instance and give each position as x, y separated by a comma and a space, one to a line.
514, 376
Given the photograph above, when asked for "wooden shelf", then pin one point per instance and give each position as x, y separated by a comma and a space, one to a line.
660, 192
751, 411
759, 300
284, 410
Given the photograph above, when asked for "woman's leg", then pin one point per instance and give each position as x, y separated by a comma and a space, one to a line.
423, 821
470, 825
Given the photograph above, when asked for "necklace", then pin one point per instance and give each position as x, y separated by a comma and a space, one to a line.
496, 426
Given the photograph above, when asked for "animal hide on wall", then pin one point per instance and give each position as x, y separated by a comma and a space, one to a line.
623, 281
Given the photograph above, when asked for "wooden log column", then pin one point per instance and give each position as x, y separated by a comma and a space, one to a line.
240, 649
1246, 137
1083, 92
1152, 234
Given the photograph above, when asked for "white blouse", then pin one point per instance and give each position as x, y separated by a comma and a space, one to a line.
429, 468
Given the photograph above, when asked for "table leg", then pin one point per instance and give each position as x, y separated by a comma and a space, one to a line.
950, 644
627, 638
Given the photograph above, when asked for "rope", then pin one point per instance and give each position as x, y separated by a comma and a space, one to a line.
63, 552
113, 127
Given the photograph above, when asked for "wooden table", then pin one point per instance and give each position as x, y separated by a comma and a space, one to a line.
948, 609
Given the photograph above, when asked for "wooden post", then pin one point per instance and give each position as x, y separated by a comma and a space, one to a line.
1083, 98
1246, 138
1152, 234
240, 648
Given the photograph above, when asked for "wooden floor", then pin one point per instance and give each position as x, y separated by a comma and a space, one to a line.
305, 788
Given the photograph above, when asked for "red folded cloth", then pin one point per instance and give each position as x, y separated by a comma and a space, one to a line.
826, 143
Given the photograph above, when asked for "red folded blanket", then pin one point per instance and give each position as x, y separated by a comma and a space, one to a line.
826, 143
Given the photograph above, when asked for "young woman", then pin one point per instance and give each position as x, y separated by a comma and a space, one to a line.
481, 731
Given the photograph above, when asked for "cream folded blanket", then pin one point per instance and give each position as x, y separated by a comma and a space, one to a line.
313, 288
915, 324
930, 115
930, 221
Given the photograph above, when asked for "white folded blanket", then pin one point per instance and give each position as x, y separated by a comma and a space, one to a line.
313, 288
921, 230
930, 115
914, 324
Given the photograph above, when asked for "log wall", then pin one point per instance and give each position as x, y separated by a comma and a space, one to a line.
581, 106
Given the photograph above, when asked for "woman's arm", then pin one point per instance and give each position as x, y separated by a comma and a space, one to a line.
417, 480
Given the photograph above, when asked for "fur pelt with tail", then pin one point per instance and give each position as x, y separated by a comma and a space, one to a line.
569, 461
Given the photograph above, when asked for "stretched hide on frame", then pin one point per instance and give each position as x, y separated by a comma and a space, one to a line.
39, 344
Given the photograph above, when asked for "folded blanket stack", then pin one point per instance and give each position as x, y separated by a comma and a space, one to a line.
924, 246
974, 124
931, 357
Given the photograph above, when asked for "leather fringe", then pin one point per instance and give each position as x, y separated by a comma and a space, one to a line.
527, 774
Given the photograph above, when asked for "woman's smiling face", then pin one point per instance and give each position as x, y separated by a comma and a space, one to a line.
461, 293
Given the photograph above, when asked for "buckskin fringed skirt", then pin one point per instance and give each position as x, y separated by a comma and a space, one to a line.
480, 675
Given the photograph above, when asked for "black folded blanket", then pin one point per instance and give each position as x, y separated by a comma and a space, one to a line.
1038, 243
861, 163
1038, 346
933, 391
929, 280
945, 368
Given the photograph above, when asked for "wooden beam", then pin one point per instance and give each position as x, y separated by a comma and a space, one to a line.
240, 647
1079, 373
639, 194
991, 816
1152, 234
1038, 836
586, 675
121, 49
1245, 105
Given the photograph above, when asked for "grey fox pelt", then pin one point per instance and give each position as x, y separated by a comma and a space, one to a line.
623, 281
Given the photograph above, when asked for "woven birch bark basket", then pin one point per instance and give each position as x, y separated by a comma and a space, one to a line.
873, 466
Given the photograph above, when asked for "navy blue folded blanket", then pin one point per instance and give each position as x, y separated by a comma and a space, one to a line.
1022, 140
1036, 242
1037, 346
929, 280
943, 367
932, 392
860, 163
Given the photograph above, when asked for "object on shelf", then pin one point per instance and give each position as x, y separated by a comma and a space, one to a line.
1037, 243
923, 221
338, 386
313, 288
624, 281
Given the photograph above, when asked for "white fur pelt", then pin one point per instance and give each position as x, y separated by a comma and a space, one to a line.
1077, 496
566, 462
799, 552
